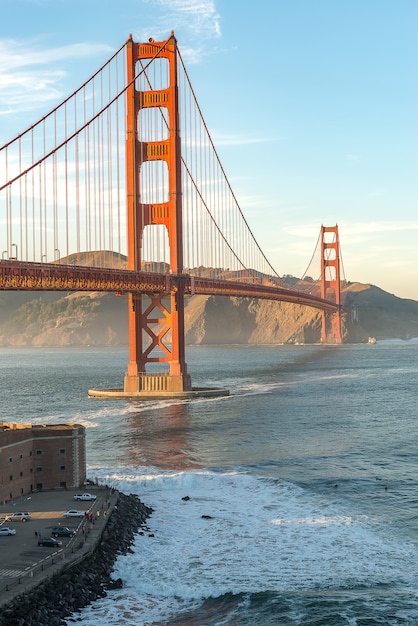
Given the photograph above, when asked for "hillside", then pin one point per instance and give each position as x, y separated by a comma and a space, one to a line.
56, 319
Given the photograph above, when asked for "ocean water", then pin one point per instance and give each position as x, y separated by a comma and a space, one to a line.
301, 485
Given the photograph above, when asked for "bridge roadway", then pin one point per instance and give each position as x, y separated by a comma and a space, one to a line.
22, 276
24, 564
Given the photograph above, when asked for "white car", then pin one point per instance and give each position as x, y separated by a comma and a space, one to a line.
4, 530
20, 517
73, 513
84, 496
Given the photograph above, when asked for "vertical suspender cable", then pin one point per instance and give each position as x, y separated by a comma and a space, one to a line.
67, 241
77, 184
20, 203
118, 134
109, 175
44, 197
8, 226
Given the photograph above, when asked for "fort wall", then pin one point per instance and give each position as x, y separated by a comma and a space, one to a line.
37, 457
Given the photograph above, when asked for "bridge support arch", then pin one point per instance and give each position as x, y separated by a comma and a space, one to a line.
330, 283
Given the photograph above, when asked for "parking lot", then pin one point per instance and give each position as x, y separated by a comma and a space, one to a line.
21, 557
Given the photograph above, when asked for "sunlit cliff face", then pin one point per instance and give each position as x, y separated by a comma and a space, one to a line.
100, 319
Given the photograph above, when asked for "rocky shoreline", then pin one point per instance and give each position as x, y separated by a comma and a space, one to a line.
76, 586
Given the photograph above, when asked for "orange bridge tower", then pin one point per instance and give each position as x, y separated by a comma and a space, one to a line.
157, 317
330, 283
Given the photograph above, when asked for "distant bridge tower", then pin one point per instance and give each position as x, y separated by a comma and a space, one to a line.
155, 316
330, 284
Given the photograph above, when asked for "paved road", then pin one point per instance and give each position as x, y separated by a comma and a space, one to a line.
22, 561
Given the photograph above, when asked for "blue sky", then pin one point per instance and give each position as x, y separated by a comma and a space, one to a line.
312, 106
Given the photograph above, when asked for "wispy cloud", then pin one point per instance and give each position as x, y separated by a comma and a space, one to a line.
14, 54
198, 19
29, 80
363, 243
355, 230
352, 228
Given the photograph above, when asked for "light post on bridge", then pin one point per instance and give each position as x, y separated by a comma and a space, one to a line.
57, 255
13, 257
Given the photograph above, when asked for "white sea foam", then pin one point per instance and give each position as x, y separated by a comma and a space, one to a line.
262, 534
250, 387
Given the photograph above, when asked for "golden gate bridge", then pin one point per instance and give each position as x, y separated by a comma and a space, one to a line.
119, 188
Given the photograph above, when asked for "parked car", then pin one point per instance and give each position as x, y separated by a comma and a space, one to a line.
20, 517
62, 531
73, 513
84, 496
4, 530
49, 542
